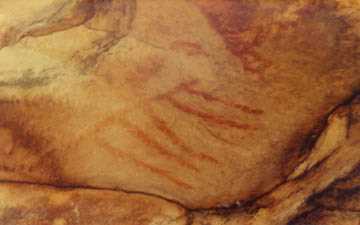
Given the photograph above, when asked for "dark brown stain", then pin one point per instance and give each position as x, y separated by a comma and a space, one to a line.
324, 40
33, 150
308, 218
320, 39
355, 111
328, 37
235, 21
343, 200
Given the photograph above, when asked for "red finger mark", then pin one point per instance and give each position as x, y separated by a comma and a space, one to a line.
146, 139
206, 157
166, 174
211, 98
207, 116
176, 140
149, 141
153, 144
190, 48
177, 89
158, 171
218, 137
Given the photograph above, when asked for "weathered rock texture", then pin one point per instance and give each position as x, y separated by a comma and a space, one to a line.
30, 205
239, 111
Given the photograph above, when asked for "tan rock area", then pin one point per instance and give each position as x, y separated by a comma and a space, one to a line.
327, 193
179, 111
30, 205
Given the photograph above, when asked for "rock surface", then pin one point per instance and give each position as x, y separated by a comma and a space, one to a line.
300, 200
210, 104
22, 204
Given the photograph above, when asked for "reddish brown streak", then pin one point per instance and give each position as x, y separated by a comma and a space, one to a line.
245, 50
218, 137
163, 173
141, 135
188, 87
176, 89
207, 116
190, 48
146, 139
209, 97
17, 172
231, 19
175, 139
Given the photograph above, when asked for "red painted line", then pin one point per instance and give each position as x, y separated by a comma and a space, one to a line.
190, 48
218, 137
176, 89
166, 174
150, 142
118, 153
211, 98
176, 140
146, 139
208, 117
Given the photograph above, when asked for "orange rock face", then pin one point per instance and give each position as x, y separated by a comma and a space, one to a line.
207, 103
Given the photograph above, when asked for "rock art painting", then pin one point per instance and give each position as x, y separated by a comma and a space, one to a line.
179, 112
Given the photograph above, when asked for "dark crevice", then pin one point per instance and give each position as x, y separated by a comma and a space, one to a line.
339, 209
189, 218
313, 136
